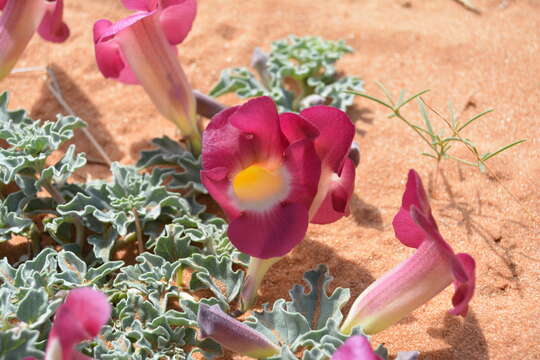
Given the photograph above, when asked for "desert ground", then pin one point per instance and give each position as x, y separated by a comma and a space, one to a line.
474, 60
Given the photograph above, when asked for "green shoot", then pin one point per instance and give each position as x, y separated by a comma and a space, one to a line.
438, 143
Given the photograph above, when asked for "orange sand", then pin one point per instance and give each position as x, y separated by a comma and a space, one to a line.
476, 61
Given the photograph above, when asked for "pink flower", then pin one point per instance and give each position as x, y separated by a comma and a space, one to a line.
79, 318
355, 348
19, 21
140, 49
415, 281
273, 174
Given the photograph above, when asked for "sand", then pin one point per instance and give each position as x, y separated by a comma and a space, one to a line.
476, 61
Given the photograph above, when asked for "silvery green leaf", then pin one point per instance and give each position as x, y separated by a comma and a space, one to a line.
63, 169
32, 305
238, 80
7, 273
16, 344
12, 222
336, 93
315, 305
30, 142
110, 209
96, 275
216, 274
279, 325
169, 152
296, 68
174, 243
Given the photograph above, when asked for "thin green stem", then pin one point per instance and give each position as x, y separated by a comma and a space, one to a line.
138, 228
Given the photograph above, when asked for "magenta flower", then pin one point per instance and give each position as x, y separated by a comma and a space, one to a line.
79, 318
273, 174
140, 49
233, 334
19, 21
355, 348
415, 281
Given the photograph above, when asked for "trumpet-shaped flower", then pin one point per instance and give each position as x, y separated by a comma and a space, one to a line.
140, 49
356, 348
19, 21
415, 281
233, 334
79, 318
273, 174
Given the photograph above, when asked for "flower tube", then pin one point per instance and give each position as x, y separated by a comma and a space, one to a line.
19, 21
140, 49
233, 334
79, 318
415, 281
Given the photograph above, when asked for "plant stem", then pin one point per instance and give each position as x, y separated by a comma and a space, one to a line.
35, 239
138, 226
207, 106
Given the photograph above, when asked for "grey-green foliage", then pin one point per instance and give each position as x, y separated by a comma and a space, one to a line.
111, 209
182, 169
308, 322
23, 162
31, 293
146, 324
298, 72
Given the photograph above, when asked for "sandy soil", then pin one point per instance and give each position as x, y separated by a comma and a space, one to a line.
476, 61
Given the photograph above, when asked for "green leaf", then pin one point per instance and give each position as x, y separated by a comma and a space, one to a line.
240, 81
315, 305
16, 344
12, 222
296, 68
471, 120
506, 147
216, 274
63, 169
32, 305
186, 175
279, 325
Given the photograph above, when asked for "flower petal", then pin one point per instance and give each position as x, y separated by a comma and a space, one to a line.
336, 134
79, 318
108, 55
258, 118
177, 18
52, 28
464, 290
142, 5
221, 142
272, 233
405, 228
296, 128
3, 4
355, 348
218, 185
304, 168
336, 203
233, 334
